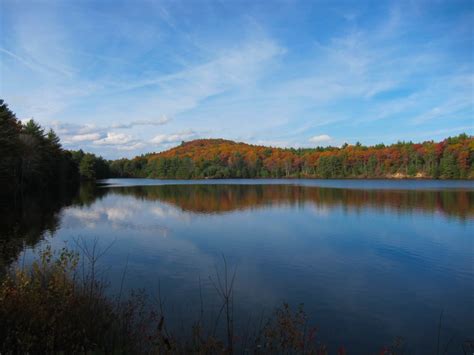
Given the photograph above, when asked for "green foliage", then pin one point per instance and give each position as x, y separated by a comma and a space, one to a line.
87, 167
452, 158
91, 167
32, 160
129, 168
33, 128
10, 150
53, 140
330, 167
448, 166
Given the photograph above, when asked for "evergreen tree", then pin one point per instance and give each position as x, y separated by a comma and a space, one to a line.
9, 148
448, 166
87, 167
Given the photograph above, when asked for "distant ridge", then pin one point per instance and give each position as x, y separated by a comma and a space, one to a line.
451, 158
209, 145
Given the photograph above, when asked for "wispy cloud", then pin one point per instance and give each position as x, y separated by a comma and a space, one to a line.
158, 122
87, 137
114, 138
173, 138
152, 75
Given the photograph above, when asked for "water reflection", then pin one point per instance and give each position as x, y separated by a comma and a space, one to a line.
368, 264
26, 222
29, 219
228, 198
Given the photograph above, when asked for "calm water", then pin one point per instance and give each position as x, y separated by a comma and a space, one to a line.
370, 260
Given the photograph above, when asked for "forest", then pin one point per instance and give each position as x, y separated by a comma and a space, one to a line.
33, 160
451, 158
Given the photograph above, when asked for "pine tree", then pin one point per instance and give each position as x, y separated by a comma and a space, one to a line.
9, 149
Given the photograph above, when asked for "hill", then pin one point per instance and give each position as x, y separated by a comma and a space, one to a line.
451, 158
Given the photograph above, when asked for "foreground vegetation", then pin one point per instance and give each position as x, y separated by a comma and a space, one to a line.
452, 158
56, 306
59, 304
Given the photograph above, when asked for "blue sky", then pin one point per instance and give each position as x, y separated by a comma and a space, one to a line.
120, 78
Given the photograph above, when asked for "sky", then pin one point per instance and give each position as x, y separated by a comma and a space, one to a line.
122, 78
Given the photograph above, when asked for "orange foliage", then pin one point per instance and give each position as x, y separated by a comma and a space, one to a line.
428, 159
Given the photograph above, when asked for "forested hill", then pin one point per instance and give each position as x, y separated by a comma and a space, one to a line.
451, 158
32, 159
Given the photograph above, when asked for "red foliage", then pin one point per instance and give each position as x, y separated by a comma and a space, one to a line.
399, 159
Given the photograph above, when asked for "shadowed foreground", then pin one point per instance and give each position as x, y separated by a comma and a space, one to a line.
59, 304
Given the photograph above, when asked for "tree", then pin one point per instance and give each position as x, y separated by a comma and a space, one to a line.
9, 148
33, 129
87, 167
448, 166
53, 140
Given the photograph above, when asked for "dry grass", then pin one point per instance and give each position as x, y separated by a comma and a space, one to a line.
59, 304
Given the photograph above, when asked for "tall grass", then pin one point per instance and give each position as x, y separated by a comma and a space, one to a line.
59, 304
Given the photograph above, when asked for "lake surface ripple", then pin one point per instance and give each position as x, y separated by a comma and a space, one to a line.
370, 260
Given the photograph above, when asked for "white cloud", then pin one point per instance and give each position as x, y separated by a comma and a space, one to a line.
82, 138
84, 215
114, 138
72, 129
157, 122
118, 213
166, 211
323, 138
173, 138
89, 136
131, 146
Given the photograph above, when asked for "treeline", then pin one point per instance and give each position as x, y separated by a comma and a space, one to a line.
32, 159
217, 158
90, 166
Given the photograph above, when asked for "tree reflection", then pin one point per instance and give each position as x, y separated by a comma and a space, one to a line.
227, 198
29, 219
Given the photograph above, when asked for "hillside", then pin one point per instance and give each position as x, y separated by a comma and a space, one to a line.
451, 158
207, 148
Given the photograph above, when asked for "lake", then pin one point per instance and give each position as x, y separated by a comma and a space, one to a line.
369, 259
